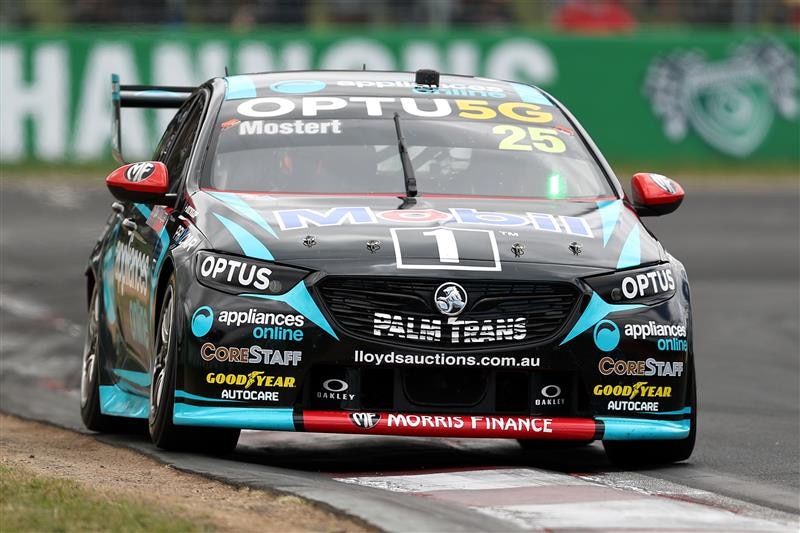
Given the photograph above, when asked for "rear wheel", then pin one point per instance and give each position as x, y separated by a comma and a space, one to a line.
163, 432
652, 452
92, 416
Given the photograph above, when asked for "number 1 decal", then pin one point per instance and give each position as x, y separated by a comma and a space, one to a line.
445, 249
446, 242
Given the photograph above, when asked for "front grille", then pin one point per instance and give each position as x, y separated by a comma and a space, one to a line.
462, 387
353, 302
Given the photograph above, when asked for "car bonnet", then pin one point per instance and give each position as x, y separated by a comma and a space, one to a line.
441, 233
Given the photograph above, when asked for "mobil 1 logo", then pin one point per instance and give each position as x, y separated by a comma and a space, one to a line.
445, 249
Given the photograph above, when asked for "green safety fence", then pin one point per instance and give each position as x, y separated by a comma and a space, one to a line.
690, 96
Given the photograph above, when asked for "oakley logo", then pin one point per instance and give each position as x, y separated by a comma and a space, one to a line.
335, 385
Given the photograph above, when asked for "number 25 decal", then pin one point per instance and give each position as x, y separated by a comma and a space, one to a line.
517, 138
445, 249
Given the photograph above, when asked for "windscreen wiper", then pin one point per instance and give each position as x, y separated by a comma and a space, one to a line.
408, 168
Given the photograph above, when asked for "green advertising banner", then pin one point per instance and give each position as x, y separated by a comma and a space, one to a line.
690, 97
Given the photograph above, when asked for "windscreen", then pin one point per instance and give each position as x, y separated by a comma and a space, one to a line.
346, 144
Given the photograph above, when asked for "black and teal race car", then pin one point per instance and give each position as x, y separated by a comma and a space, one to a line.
385, 253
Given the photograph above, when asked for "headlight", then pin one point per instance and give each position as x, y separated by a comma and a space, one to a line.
240, 275
647, 286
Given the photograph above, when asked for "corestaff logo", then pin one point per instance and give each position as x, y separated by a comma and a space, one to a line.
730, 103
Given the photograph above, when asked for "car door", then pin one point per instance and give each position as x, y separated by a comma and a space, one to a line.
142, 245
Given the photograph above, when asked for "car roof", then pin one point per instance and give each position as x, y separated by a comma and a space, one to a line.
374, 83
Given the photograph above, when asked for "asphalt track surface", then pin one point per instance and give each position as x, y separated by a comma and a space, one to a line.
741, 250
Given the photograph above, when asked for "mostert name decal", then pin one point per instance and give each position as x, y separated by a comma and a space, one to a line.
295, 127
453, 330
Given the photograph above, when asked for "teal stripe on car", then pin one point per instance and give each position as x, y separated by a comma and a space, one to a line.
250, 245
117, 402
595, 311
238, 204
267, 418
644, 429
239, 87
530, 95
301, 301
631, 254
609, 214
143, 209
684, 411
109, 294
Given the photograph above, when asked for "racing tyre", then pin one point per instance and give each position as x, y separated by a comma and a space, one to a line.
92, 417
653, 452
163, 432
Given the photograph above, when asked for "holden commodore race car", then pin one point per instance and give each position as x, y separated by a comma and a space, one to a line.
385, 253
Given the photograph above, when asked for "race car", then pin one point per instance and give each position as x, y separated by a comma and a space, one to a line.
385, 253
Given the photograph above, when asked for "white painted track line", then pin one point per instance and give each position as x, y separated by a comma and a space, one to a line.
547, 501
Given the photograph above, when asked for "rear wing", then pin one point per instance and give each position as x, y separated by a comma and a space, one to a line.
142, 96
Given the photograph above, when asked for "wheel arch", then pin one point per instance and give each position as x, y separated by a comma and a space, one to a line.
91, 281
163, 279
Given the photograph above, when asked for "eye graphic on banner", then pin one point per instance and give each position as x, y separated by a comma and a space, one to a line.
730, 103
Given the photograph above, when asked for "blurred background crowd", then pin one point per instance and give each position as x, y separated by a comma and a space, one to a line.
711, 83
565, 15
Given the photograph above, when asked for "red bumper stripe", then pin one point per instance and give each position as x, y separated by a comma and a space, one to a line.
433, 425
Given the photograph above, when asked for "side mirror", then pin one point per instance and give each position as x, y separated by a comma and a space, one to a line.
655, 195
146, 182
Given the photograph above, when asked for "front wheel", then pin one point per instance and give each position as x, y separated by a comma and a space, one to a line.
163, 432
653, 452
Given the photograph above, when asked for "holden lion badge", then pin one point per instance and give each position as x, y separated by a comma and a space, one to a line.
450, 298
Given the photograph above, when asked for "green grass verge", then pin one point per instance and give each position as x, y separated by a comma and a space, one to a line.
30, 502
96, 171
